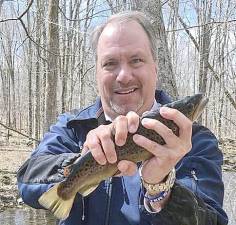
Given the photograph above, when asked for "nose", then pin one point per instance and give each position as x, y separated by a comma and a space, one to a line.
124, 74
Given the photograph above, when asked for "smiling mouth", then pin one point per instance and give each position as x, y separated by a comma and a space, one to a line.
125, 92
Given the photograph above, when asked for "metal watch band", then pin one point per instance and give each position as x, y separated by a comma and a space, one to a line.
153, 189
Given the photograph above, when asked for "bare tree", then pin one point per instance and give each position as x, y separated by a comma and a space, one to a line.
166, 77
46, 65
52, 76
29, 64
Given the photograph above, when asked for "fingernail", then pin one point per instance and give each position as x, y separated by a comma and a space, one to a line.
132, 128
119, 143
103, 162
135, 138
112, 159
144, 121
164, 109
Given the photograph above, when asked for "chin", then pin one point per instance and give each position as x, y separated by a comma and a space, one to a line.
124, 109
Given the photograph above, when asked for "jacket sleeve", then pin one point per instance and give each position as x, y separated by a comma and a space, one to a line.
58, 148
197, 196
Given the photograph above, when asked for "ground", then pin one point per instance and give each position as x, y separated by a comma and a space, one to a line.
12, 157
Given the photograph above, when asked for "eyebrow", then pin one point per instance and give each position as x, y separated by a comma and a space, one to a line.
114, 56
108, 56
137, 54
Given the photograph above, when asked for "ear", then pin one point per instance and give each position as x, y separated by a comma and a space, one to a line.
157, 80
156, 68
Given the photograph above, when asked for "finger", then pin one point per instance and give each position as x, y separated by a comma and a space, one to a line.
121, 130
166, 133
85, 149
98, 155
184, 124
109, 149
106, 144
127, 168
181, 144
151, 146
162, 153
94, 145
133, 121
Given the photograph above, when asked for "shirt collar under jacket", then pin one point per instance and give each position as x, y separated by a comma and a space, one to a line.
90, 114
155, 106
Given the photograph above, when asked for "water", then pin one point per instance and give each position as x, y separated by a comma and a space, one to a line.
30, 216
26, 216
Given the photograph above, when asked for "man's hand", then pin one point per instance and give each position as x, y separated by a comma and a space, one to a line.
99, 141
165, 157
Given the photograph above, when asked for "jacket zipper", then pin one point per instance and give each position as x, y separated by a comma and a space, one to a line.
194, 175
193, 172
83, 209
195, 178
109, 192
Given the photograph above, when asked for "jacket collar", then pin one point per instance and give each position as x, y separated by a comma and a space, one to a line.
93, 115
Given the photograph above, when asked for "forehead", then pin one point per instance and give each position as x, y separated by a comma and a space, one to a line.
123, 35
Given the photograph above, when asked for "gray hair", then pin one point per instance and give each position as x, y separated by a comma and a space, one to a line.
127, 16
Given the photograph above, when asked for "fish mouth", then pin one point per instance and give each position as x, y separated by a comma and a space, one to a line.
200, 106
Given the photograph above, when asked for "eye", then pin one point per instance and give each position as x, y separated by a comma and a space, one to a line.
136, 60
109, 65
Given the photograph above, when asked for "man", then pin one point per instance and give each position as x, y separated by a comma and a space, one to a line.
126, 72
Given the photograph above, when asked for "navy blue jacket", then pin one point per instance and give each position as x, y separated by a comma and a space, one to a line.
196, 197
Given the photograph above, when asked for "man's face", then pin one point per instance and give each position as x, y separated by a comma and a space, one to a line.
126, 71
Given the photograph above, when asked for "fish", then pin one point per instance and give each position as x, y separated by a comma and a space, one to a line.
85, 174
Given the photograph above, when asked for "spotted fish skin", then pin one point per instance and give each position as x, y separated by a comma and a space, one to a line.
85, 174
85, 169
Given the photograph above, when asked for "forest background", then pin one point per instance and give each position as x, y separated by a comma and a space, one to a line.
47, 68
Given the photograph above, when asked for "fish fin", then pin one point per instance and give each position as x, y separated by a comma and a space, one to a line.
58, 206
86, 191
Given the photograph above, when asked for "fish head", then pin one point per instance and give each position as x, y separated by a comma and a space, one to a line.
190, 106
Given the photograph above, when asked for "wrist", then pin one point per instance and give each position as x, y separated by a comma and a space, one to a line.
157, 188
156, 195
156, 206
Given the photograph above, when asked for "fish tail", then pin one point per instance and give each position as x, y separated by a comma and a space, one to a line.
58, 206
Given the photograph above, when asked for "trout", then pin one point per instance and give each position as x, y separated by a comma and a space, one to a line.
85, 174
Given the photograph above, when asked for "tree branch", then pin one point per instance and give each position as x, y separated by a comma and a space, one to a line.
215, 75
202, 25
25, 135
19, 17
85, 18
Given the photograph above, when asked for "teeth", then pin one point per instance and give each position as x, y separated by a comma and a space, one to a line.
125, 92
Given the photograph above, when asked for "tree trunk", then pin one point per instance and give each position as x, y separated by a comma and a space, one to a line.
166, 77
44, 8
205, 39
52, 76
29, 71
37, 75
